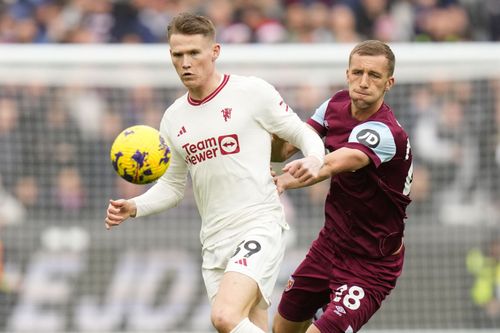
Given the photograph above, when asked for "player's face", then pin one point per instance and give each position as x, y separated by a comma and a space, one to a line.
368, 80
193, 57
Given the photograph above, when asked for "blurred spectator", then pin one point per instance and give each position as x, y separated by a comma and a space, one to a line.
440, 21
96, 20
86, 107
297, 25
222, 14
69, 194
370, 16
402, 15
252, 25
27, 191
154, 15
263, 28
484, 265
130, 27
318, 17
142, 98
343, 25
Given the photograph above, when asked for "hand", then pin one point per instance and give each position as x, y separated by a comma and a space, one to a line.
118, 211
273, 173
282, 181
304, 169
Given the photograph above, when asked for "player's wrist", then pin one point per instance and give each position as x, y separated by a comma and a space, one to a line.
319, 159
133, 208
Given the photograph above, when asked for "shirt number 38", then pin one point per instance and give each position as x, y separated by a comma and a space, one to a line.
349, 296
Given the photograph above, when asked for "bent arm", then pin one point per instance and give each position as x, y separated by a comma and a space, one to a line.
277, 118
341, 160
281, 150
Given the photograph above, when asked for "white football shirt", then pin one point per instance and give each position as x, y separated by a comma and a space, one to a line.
224, 141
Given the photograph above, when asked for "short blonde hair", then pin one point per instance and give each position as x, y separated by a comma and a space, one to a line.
375, 48
191, 24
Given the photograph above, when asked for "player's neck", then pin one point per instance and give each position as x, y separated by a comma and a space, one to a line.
204, 90
362, 114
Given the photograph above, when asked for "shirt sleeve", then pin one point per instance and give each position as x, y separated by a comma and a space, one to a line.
319, 114
279, 118
375, 139
169, 190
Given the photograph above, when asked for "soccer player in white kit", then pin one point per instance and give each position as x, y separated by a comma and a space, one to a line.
220, 131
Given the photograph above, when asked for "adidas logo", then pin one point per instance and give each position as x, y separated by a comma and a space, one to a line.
241, 262
182, 131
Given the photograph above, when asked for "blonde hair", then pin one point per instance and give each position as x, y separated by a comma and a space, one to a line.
191, 24
375, 48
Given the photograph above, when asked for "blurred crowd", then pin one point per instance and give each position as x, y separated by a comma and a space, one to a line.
251, 21
55, 141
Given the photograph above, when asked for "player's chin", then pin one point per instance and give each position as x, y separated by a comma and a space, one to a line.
188, 80
362, 102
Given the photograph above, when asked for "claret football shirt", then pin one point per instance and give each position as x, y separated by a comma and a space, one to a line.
365, 209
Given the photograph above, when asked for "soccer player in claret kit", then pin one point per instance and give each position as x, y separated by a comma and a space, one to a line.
220, 132
358, 255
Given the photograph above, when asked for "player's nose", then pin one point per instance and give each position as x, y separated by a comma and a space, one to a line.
186, 62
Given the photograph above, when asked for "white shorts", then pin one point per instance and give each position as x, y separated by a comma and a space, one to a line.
256, 253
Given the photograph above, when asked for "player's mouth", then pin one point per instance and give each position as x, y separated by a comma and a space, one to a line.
361, 93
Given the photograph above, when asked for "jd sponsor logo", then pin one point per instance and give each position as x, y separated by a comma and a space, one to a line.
368, 137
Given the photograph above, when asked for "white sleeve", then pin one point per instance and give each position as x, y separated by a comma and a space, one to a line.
279, 118
169, 190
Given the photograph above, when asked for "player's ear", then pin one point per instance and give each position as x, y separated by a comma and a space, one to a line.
215, 52
389, 83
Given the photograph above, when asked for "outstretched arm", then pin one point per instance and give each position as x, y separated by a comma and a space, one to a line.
165, 194
341, 160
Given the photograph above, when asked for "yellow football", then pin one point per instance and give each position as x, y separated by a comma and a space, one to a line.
140, 155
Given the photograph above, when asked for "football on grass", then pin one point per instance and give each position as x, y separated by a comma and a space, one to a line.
140, 154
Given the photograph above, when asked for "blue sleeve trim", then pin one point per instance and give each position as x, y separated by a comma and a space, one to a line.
319, 114
378, 137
